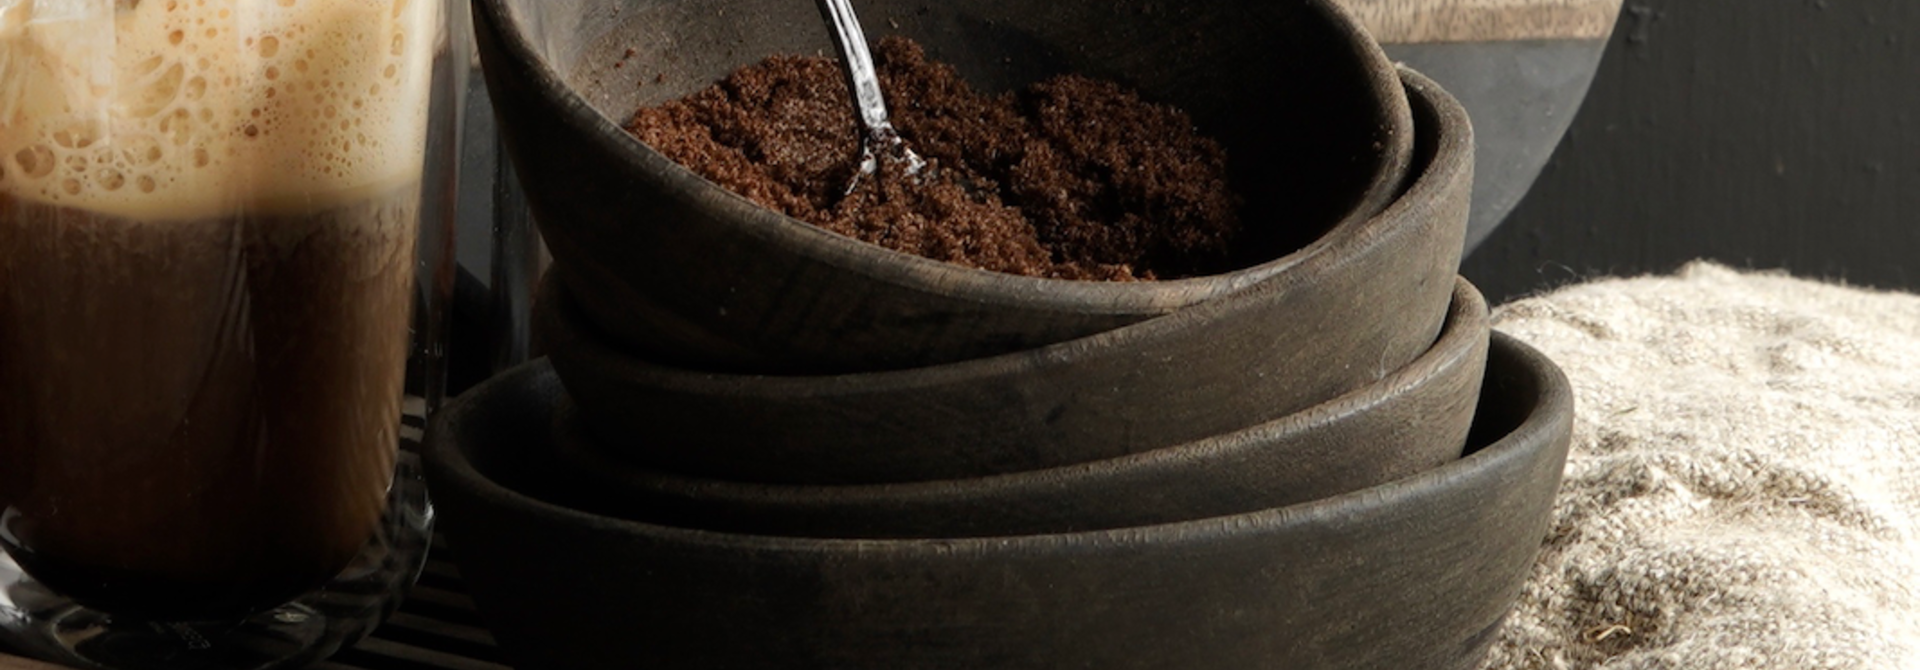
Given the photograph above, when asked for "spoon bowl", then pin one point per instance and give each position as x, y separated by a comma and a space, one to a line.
878, 139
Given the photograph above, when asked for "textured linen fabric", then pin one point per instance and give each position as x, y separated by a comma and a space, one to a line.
1744, 486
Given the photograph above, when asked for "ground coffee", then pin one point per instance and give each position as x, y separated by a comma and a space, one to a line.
1070, 178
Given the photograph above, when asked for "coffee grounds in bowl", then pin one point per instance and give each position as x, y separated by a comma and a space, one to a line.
1070, 178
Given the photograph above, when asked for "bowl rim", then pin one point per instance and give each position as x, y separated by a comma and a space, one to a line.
1464, 330
973, 284
1548, 419
1452, 156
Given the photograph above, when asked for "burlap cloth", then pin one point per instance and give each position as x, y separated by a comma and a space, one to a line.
1745, 478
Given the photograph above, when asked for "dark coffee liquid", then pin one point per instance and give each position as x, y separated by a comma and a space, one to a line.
198, 418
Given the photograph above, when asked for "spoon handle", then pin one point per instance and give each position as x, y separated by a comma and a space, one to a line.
857, 63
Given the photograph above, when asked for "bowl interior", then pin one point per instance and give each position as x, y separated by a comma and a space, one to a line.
1298, 107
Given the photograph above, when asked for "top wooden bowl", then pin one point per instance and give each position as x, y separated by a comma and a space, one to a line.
674, 267
1346, 315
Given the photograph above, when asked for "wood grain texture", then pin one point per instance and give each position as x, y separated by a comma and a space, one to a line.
1414, 21
1423, 567
1411, 421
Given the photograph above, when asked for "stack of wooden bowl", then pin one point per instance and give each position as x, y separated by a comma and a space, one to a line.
760, 445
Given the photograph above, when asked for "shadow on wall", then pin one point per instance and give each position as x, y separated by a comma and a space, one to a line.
1769, 134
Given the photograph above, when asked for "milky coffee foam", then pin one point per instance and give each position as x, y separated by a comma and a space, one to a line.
180, 109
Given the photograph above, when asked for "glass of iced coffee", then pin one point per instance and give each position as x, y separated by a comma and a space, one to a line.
223, 227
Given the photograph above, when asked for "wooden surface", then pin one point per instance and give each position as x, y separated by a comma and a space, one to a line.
1412, 21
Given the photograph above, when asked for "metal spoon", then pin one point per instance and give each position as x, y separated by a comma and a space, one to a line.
878, 138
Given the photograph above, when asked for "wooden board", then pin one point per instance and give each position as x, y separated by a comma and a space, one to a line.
1415, 21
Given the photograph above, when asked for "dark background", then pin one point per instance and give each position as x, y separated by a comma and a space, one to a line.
1760, 133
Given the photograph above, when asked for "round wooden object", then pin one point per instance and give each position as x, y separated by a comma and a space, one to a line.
1412, 421
1352, 310
1410, 574
1428, 21
669, 264
1521, 68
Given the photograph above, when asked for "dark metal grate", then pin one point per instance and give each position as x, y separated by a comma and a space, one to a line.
436, 628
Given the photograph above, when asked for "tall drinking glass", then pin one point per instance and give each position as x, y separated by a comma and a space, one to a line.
225, 229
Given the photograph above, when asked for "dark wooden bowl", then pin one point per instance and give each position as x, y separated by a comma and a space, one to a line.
1416, 573
677, 267
1340, 319
1412, 421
